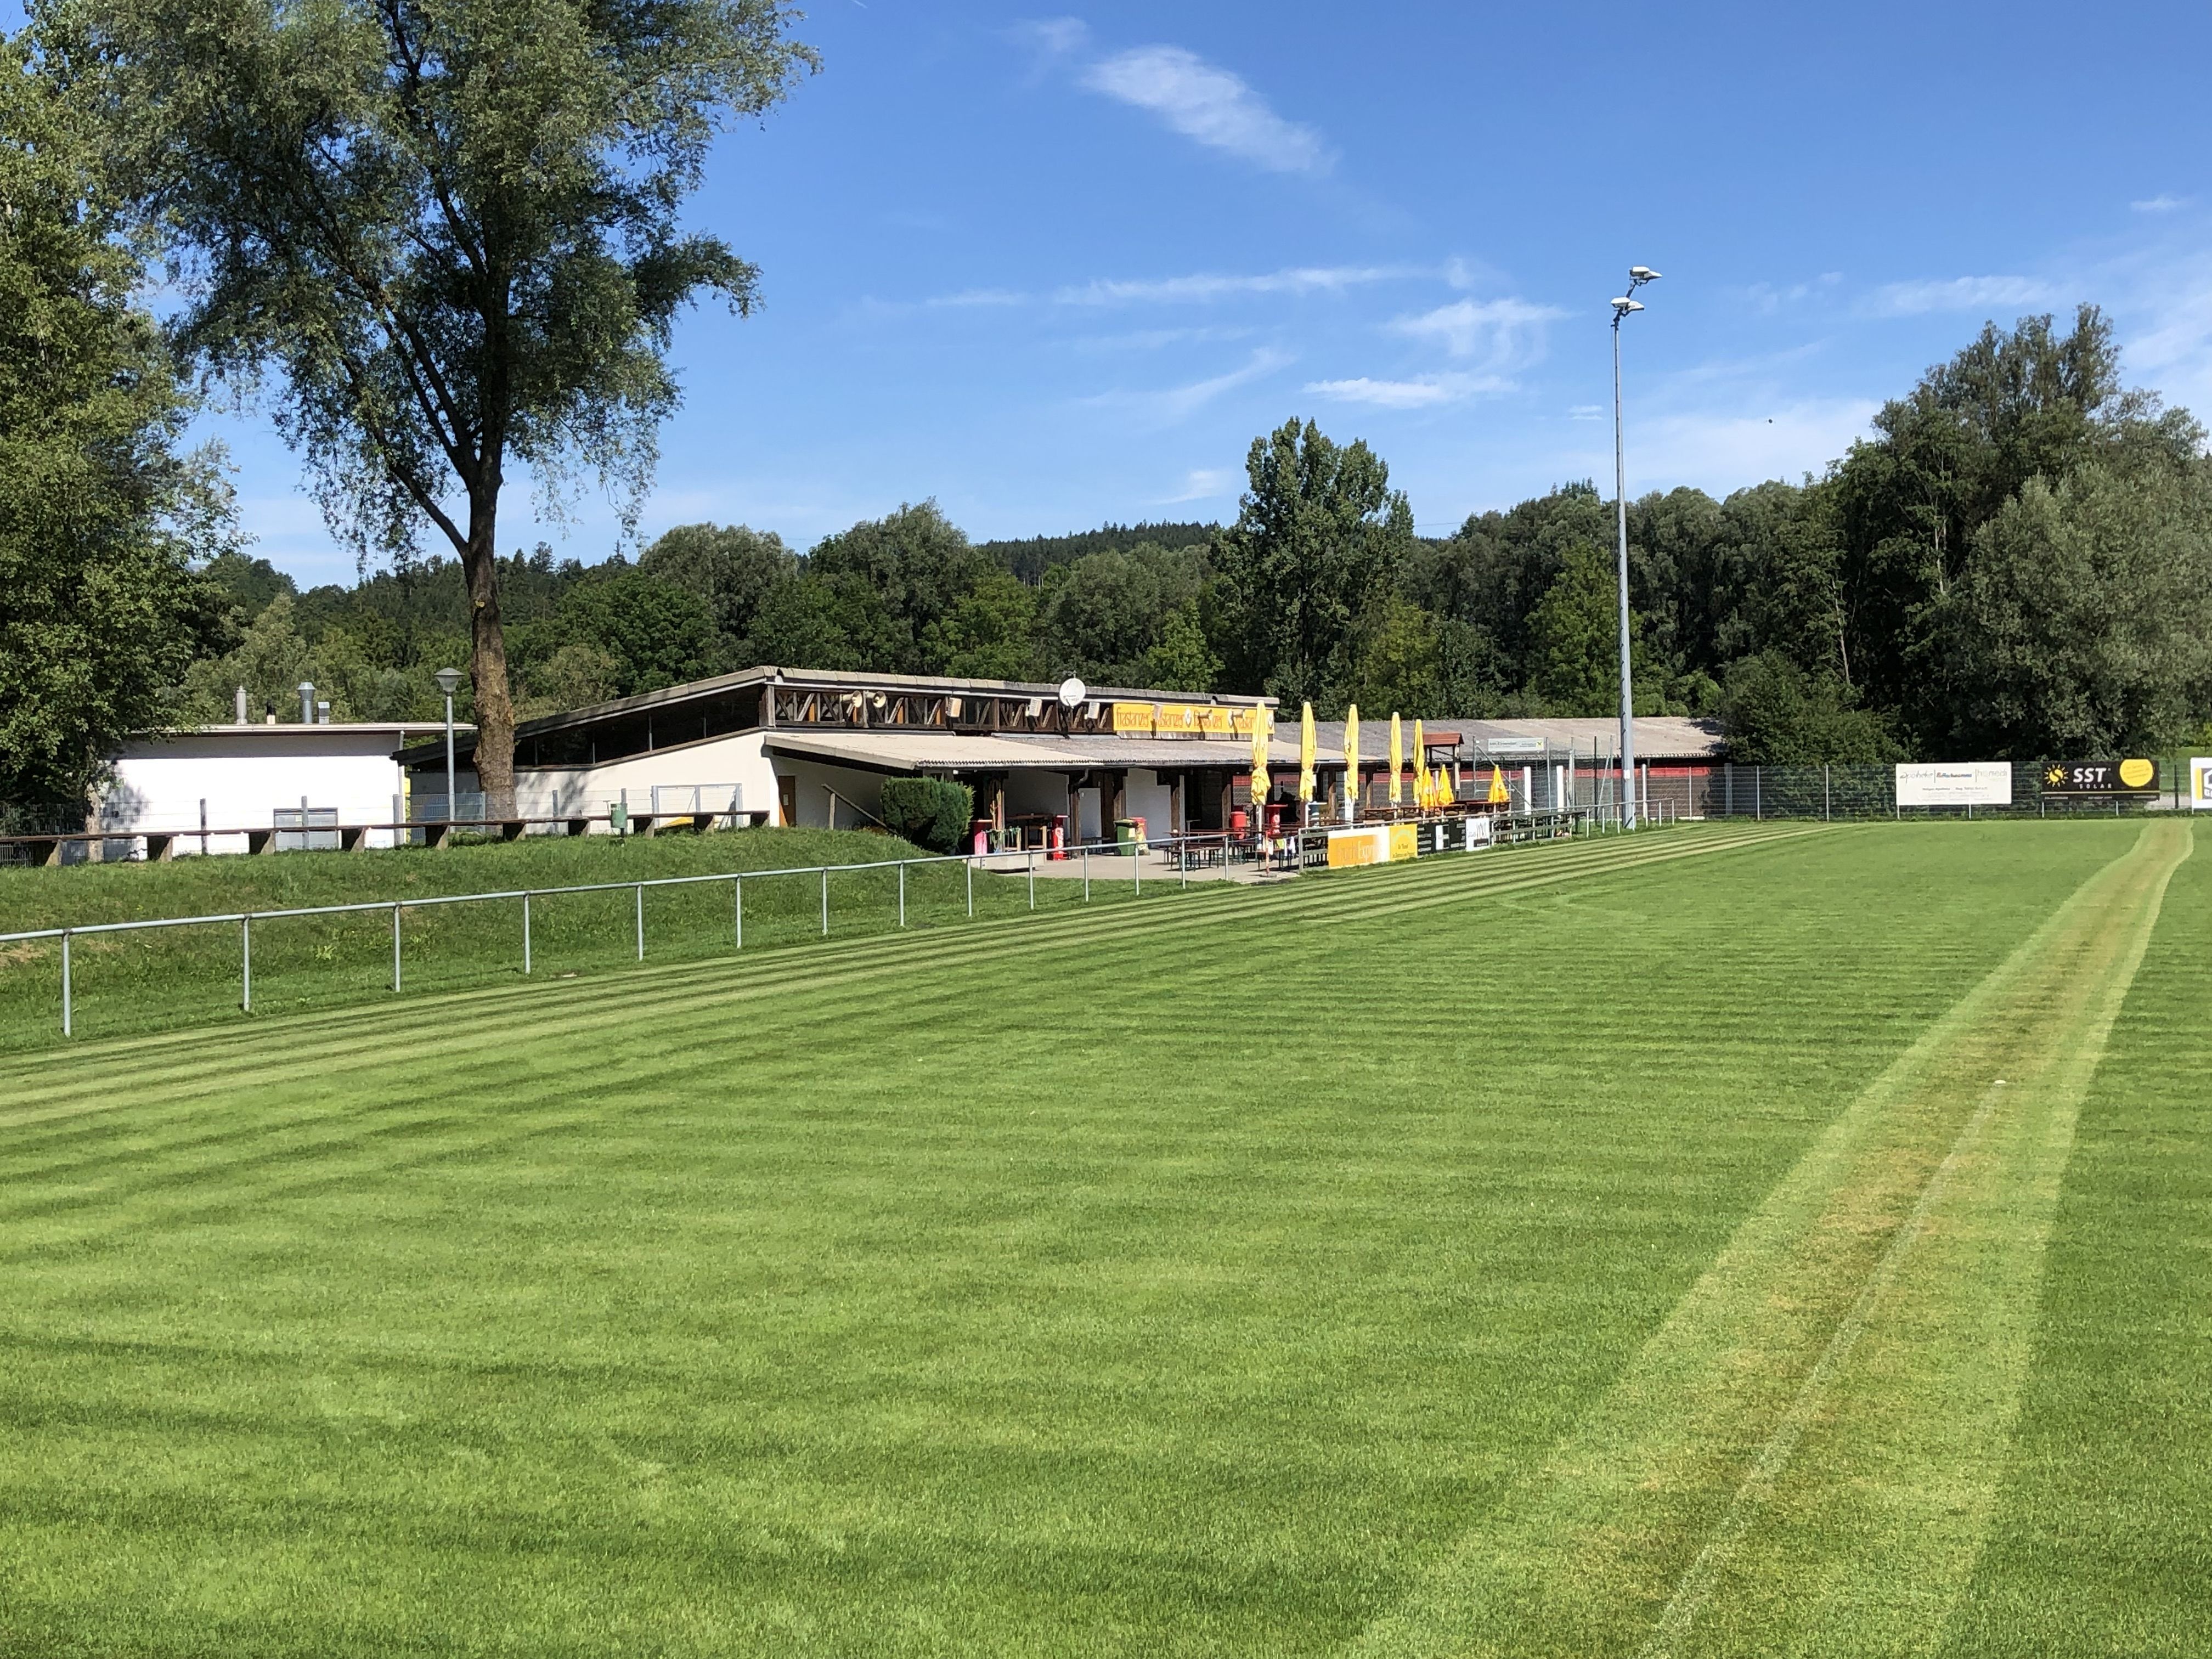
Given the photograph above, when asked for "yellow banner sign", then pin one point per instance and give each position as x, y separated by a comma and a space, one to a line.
1181, 719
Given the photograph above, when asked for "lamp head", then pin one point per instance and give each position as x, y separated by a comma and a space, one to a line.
449, 680
1623, 305
1640, 274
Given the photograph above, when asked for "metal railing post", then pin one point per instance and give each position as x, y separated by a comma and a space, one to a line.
641, 921
971, 890
901, 892
246, 963
395, 949
1032, 867
1137, 867
738, 904
65, 982
525, 932
1826, 792
1086, 872
826, 900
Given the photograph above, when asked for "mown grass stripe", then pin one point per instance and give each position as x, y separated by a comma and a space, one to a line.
1591, 1550
103, 1067
1177, 1301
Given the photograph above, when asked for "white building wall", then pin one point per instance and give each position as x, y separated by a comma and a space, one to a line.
716, 765
1144, 796
244, 775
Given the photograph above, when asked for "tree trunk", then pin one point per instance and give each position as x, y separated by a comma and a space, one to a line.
487, 657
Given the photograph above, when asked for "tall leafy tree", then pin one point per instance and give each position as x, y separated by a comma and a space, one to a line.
451, 225
2027, 403
1574, 636
1109, 611
732, 568
2081, 623
100, 613
895, 579
1319, 537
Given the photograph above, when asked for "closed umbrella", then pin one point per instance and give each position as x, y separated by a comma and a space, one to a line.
1420, 759
1351, 762
1500, 794
1262, 722
1397, 758
1305, 755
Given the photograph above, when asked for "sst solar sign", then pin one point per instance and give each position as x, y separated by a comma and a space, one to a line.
2101, 780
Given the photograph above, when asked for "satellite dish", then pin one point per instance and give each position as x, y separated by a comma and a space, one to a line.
1071, 691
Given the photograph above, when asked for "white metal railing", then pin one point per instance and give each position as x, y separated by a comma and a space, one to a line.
1286, 851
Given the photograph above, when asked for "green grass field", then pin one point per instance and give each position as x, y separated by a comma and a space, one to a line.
1733, 1240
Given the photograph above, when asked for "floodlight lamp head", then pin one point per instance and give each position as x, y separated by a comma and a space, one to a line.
1638, 275
449, 680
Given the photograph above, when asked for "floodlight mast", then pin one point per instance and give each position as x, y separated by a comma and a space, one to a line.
1623, 306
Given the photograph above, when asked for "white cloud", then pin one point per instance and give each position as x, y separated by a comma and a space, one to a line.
2160, 203
1152, 339
1423, 392
1959, 294
1204, 483
979, 296
1587, 412
1502, 331
1310, 279
1210, 105
1052, 37
1175, 403
1723, 452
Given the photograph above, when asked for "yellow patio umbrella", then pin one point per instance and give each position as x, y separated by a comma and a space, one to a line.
1263, 722
1445, 794
1397, 758
1421, 760
1352, 761
1500, 794
1305, 755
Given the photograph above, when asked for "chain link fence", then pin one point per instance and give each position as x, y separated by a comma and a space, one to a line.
1846, 792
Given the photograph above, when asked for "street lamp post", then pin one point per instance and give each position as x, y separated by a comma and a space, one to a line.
1637, 275
449, 681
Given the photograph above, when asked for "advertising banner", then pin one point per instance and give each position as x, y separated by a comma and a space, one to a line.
2102, 779
1954, 783
2200, 782
1367, 845
1181, 719
1405, 841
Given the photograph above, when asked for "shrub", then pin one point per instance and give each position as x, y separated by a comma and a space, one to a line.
933, 812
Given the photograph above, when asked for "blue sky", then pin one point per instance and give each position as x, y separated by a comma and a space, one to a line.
1055, 268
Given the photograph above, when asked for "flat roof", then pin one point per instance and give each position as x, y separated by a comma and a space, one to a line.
887, 748
1657, 736
295, 728
831, 679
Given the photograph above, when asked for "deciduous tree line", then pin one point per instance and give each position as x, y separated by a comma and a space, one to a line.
445, 233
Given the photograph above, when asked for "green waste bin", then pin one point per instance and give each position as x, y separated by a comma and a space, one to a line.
1127, 833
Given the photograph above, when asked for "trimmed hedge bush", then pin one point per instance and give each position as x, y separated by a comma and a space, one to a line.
933, 812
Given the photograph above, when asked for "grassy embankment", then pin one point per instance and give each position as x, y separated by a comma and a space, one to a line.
160, 980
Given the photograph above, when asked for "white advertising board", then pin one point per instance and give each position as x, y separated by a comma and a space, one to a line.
2200, 783
1954, 783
